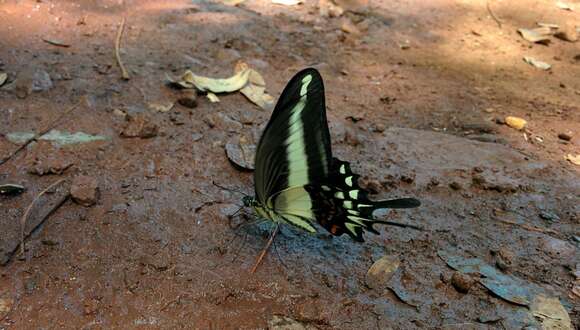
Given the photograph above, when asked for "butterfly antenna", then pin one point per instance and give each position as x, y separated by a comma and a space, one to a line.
265, 250
229, 189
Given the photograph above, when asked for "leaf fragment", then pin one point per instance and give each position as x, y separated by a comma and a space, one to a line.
382, 271
537, 63
551, 313
538, 35
56, 42
212, 97
287, 2
255, 90
3, 78
564, 6
574, 159
161, 107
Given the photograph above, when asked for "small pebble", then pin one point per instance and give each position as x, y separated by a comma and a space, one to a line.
455, 185
188, 99
461, 282
565, 136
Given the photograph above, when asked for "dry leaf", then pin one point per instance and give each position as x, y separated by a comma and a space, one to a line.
551, 313
287, 2
255, 90
212, 97
515, 122
3, 78
216, 85
381, 271
161, 107
539, 35
574, 159
537, 63
328, 9
552, 26
564, 6
55, 42
241, 154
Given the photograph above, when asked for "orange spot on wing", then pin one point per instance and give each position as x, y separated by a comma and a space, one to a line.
334, 229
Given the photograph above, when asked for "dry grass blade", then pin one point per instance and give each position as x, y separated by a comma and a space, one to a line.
124, 73
29, 208
492, 14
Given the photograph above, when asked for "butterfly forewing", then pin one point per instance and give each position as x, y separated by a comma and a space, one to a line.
294, 149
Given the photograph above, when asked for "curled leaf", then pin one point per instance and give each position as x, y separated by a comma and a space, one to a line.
217, 85
255, 90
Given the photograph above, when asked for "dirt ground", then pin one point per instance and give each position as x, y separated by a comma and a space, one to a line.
416, 94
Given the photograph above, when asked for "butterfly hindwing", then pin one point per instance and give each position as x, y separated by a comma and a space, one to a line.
294, 149
342, 206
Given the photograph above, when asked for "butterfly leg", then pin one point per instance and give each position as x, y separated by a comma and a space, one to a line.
265, 250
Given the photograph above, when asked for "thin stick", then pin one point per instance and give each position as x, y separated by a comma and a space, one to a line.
26, 213
493, 15
528, 227
124, 72
39, 134
265, 250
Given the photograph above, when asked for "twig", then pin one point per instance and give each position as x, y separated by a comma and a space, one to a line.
528, 227
169, 303
26, 213
124, 72
39, 134
493, 15
265, 250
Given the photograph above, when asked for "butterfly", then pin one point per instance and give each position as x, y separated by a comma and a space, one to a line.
298, 181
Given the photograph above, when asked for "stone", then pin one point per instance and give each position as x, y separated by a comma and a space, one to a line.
567, 136
139, 126
188, 99
461, 282
84, 190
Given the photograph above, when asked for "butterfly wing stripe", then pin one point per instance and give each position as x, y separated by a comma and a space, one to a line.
298, 222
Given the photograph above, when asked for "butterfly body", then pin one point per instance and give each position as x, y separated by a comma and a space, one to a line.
297, 180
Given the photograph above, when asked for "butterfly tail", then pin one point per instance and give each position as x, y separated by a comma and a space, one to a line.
401, 203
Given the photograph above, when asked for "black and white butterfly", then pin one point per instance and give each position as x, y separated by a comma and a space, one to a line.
298, 181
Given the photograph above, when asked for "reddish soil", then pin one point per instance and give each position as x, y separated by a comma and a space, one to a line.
425, 81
